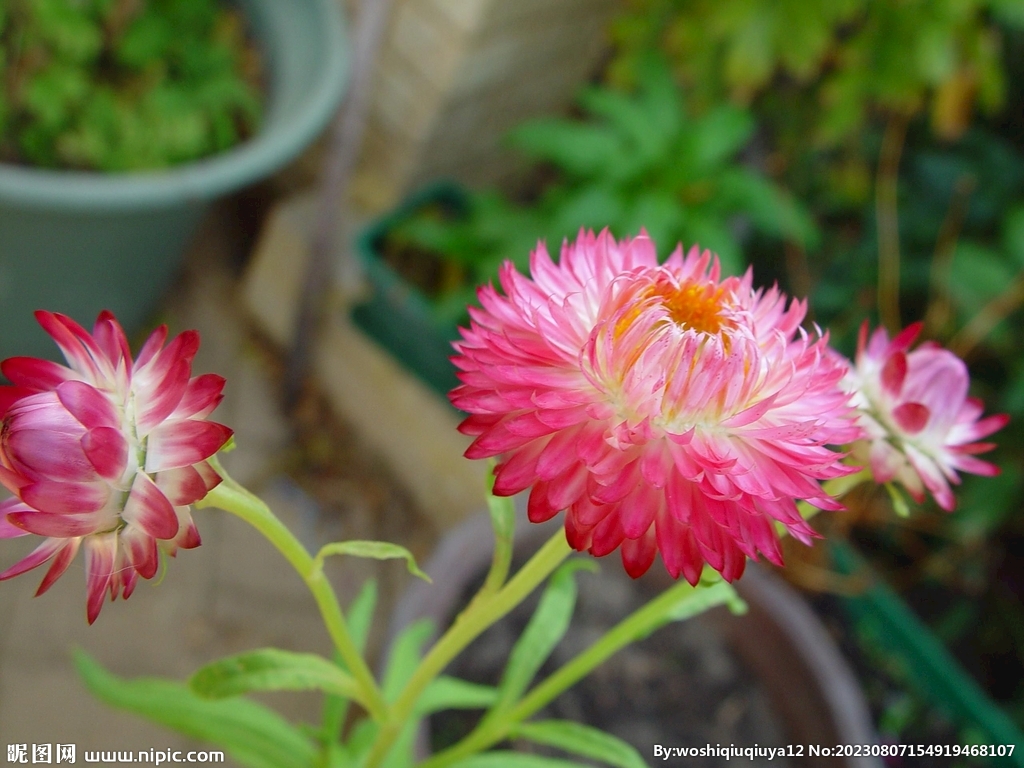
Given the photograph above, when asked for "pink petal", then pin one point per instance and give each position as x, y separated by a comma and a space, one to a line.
180, 443
911, 417
60, 564
186, 485
637, 511
149, 509
519, 471
894, 372
110, 338
158, 402
78, 346
37, 557
202, 395
905, 338
638, 554
558, 455
88, 405
607, 536
48, 453
141, 551
538, 508
10, 395
66, 498
152, 346
188, 536
107, 451
100, 553
35, 374
55, 526
161, 383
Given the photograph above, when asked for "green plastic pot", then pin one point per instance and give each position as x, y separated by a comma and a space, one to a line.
80, 242
396, 314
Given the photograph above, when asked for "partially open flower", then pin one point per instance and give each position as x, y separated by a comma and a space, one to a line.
666, 409
920, 426
106, 454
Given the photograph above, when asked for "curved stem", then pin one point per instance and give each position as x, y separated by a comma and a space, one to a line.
468, 625
668, 606
233, 498
887, 215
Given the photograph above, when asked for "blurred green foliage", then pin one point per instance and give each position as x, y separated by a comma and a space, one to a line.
122, 85
635, 160
849, 57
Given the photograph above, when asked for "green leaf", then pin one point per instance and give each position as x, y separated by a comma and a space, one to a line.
770, 209
359, 618
507, 759
717, 137
376, 550
271, 669
405, 656
546, 629
899, 501
577, 148
1013, 235
360, 614
582, 740
503, 520
1011, 12
447, 692
250, 733
977, 275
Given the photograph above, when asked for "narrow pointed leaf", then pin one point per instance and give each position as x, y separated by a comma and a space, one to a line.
376, 550
271, 669
582, 740
252, 734
360, 618
452, 693
405, 656
546, 629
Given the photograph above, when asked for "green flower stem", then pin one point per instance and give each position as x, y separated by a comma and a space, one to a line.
478, 616
637, 625
233, 498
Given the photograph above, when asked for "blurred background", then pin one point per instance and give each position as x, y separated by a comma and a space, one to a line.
865, 154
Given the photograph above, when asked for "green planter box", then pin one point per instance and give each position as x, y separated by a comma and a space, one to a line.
78, 242
396, 314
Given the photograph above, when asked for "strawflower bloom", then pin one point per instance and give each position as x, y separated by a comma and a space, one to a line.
665, 408
106, 454
920, 426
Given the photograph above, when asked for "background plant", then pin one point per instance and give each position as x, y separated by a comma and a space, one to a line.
119, 85
634, 159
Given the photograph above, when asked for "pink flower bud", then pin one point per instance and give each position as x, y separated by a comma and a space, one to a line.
106, 454
919, 424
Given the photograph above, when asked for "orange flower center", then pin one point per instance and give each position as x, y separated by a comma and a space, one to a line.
697, 306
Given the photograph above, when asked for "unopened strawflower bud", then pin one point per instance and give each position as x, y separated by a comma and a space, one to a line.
920, 426
107, 454
664, 408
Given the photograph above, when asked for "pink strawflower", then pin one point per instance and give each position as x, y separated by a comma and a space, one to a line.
666, 409
106, 454
919, 423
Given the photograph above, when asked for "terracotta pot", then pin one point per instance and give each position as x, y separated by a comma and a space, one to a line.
812, 689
